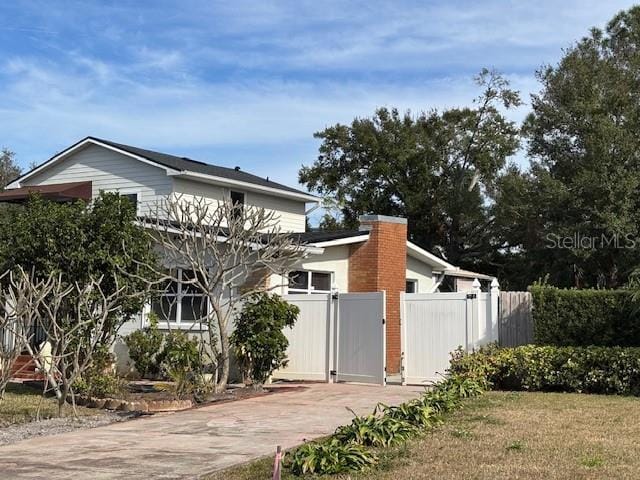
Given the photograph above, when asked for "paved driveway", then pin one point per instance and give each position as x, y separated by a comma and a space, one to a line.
194, 442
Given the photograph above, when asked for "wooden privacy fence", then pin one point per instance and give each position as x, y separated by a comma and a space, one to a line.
516, 319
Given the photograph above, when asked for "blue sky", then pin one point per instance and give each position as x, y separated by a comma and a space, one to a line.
248, 83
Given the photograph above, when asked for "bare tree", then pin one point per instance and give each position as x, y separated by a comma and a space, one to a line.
75, 320
230, 252
14, 330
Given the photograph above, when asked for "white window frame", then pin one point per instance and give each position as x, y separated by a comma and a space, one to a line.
310, 289
177, 298
415, 284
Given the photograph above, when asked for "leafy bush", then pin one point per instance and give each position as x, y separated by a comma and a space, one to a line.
417, 412
259, 343
376, 430
145, 348
182, 362
585, 317
461, 386
100, 379
331, 457
605, 370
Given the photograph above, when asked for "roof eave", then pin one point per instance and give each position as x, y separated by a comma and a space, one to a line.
421, 254
203, 177
342, 241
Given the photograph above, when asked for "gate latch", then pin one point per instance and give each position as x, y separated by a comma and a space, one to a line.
333, 373
471, 295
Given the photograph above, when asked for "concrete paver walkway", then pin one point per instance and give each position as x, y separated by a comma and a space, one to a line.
191, 443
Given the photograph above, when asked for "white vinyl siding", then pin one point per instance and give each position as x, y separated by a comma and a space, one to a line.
289, 213
109, 171
421, 273
333, 259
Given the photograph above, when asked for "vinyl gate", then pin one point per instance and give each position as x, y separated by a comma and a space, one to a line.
435, 324
337, 339
361, 338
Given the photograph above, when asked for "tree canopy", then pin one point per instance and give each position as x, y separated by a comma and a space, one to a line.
81, 242
583, 142
434, 169
9, 169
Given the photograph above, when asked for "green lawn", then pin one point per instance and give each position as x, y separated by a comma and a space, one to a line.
20, 405
504, 435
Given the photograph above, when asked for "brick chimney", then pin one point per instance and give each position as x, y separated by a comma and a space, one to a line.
381, 264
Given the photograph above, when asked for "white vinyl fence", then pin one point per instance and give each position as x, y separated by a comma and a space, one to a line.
435, 324
310, 347
337, 339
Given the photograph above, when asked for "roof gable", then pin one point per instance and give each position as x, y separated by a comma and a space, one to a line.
175, 165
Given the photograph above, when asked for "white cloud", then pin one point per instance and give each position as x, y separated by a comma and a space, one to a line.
260, 77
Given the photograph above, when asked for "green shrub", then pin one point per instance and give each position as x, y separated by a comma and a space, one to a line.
604, 370
259, 343
145, 348
182, 363
585, 317
100, 379
331, 457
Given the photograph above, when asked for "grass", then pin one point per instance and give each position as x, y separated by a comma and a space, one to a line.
504, 435
20, 405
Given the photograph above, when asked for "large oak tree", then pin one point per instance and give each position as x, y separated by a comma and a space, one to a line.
584, 182
434, 169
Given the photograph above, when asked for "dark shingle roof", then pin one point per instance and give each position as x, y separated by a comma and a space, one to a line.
184, 163
317, 237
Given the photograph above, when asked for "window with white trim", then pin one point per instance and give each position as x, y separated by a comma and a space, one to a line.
411, 286
181, 302
303, 281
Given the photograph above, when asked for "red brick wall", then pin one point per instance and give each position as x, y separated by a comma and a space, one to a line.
381, 264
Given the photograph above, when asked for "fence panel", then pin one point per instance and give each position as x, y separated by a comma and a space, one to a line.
309, 351
433, 325
516, 319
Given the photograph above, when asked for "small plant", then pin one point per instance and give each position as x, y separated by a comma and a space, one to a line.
516, 446
376, 430
100, 379
145, 348
331, 457
183, 364
461, 433
416, 412
592, 461
259, 343
461, 386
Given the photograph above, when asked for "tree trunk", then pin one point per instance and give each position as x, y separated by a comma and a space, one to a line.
221, 384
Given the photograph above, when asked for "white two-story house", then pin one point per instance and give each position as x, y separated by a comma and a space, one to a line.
375, 257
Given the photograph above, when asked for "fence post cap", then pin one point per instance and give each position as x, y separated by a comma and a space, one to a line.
494, 283
476, 284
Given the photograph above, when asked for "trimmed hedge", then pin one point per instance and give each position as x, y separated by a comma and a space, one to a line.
585, 317
604, 370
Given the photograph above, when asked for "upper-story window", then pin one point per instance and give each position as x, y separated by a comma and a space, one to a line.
132, 197
237, 200
411, 286
302, 281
